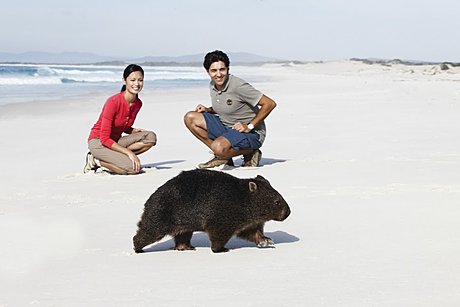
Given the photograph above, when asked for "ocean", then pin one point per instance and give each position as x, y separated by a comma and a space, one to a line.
34, 83
29, 83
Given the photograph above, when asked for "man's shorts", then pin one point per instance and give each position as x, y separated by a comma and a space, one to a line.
238, 140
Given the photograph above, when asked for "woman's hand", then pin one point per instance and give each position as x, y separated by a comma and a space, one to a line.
131, 155
137, 130
136, 162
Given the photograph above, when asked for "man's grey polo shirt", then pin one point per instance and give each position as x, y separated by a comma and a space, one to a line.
237, 102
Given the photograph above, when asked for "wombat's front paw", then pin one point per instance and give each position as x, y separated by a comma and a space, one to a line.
220, 250
266, 242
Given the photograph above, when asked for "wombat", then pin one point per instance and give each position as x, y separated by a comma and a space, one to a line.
214, 202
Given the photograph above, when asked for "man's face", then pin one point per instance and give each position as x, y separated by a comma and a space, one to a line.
218, 73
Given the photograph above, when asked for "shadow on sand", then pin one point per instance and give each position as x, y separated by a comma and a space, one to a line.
200, 239
270, 161
161, 165
264, 161
165, 164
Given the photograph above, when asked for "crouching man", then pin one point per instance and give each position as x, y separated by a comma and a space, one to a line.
234, 124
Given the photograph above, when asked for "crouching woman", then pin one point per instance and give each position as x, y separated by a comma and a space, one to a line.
115, 152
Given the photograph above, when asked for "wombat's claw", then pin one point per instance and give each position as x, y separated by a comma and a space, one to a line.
184, 247
266, 243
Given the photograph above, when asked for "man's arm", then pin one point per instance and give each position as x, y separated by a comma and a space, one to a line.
266, 105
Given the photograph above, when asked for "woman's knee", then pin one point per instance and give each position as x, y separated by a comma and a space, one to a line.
150, 139
119, 169
126, 170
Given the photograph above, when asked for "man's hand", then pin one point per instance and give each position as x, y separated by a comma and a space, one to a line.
240, 127
201, 108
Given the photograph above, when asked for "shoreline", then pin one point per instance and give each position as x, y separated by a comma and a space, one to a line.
262, 75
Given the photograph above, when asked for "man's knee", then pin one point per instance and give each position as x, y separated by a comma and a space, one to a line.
221, 146
189, 117
193, 118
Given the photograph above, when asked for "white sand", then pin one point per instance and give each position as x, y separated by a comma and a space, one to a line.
367, 156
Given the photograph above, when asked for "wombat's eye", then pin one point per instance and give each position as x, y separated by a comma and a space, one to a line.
277, 202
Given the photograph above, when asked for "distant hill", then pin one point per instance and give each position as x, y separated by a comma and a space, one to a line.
385, 62
38, 57
53, 58
235, 57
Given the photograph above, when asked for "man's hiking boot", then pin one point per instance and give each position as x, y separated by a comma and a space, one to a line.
252, 159
216, 162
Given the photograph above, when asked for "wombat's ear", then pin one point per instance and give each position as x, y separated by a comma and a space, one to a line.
252, 186
261, 178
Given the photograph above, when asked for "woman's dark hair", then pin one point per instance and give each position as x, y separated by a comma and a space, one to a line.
215, 56
128, 70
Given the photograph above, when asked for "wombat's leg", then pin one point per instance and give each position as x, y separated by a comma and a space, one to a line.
142, 239
183, 241
218, 241
255, 234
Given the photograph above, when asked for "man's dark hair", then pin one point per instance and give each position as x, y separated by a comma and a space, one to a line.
215, 56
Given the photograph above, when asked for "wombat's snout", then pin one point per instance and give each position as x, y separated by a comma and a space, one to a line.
284, 213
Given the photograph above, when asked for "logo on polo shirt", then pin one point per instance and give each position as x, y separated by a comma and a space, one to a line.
229, 102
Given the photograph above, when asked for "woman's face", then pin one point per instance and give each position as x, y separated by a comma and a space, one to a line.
218, 73
134, 83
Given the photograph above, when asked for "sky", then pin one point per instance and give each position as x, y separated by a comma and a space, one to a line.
305, 30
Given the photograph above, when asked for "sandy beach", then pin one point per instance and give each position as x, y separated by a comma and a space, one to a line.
367, 156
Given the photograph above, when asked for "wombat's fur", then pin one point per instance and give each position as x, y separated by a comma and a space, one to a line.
211, 201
